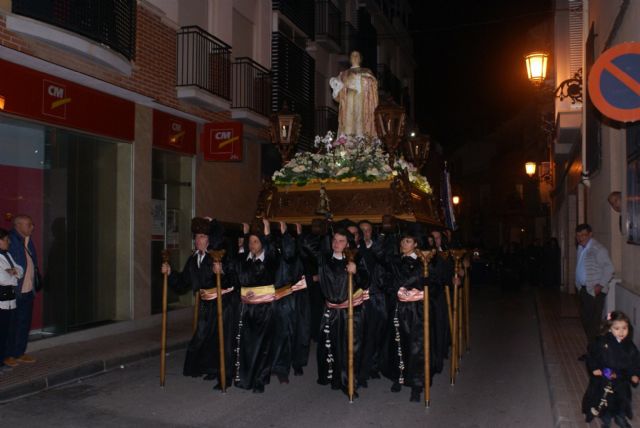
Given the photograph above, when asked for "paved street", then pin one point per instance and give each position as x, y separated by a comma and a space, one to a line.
502, 384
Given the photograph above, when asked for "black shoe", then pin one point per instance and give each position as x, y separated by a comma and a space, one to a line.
582, 357
374, 374
297, 371
209, 377
415, 395
335, 386
283, 378
258, 389
396, 387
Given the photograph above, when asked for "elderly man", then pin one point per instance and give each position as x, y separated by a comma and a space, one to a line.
24, 253
594, 271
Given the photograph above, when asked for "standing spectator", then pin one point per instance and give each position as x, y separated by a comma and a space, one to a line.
23, 251
10, 273
594, 270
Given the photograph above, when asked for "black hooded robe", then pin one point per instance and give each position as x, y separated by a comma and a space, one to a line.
203, 357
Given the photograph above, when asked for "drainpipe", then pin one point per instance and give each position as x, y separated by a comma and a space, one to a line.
583, 152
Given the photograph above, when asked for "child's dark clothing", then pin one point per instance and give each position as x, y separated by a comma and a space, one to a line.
623, 361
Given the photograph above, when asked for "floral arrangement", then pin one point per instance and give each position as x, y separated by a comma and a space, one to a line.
346, 159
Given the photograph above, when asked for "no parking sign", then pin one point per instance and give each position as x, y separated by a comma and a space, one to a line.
614, 82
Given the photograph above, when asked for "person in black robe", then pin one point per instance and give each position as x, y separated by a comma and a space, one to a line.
613, 362
375, 307
333, 270
198, 275
404, 364
287, 277
301, 340
256, 275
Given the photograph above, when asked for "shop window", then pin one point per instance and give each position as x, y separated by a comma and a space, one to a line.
77, 189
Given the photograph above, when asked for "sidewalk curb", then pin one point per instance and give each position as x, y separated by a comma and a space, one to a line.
80, 371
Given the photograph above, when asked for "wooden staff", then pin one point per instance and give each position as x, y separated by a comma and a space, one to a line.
163, 339
457, 254
467, 304
447, 294
426, 257
351, 256
217, 256
196, 312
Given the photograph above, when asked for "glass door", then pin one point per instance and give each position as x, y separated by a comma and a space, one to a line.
172, 210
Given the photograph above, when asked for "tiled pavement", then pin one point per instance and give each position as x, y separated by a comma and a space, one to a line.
62, 364
563, 341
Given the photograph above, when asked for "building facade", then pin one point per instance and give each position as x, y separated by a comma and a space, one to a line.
595, 155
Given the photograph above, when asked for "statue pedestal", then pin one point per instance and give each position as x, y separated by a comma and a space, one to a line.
354, 200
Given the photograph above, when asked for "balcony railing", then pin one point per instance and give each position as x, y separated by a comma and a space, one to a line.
299, 12
110, 22
251, 86
204, 61
326, 120
388, 83
328, 21
293, 71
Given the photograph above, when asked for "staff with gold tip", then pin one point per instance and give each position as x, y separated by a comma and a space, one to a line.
426, 257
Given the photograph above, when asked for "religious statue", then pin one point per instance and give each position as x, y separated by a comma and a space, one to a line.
356, 89
323, 203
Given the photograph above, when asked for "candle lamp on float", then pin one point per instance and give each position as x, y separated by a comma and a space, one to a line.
530, 168
416, 150
390, 121
284, 131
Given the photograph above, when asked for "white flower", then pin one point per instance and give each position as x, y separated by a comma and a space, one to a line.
343, 170
373, 172
299, 168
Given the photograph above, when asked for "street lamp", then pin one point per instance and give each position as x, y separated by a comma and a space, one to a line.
390, 120
537, 67
537, 62
1, 102
530, 168
456, 200
284, 131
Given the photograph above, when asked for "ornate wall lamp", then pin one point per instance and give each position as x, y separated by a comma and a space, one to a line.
537, 62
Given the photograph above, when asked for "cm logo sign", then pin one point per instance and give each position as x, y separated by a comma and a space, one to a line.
223, 135
54, 99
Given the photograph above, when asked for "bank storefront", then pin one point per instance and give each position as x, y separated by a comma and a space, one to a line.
66, 160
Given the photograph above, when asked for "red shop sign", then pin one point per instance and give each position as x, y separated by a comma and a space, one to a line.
35, 95
174, 133
222, 141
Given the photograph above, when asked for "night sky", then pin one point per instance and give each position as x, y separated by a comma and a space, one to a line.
471, 76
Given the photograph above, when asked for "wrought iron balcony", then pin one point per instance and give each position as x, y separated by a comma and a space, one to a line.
109, 22
326, 120
388, 83
204, 68
293, 71
299, 12
328, 24
251, 84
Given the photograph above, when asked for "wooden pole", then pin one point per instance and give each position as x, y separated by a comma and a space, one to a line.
163, 339
217, 256
351, 255
426, 257
447, 294
196, 312
467, 304
457, 254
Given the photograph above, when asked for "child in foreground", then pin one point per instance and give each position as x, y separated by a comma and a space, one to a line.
614, 364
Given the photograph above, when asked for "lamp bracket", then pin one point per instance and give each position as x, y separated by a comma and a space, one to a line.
571, 88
